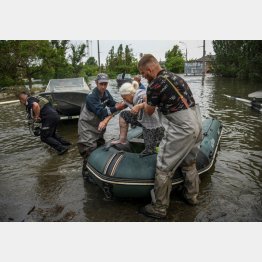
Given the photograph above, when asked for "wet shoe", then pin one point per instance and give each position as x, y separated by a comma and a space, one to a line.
61, 152
152, 211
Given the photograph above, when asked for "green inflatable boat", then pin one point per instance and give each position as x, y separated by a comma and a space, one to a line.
123, 173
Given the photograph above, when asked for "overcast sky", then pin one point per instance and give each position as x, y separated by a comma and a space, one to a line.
155, 47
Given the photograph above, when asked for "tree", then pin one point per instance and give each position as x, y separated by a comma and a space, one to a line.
121, 61
174, 60
91, 67
238, 58
120, 55
23, 59
8, 63
57, 60
76, 59
91, 61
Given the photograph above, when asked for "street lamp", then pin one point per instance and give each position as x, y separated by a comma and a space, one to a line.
185, 46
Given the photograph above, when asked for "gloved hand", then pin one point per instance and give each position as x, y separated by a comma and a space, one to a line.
120, 106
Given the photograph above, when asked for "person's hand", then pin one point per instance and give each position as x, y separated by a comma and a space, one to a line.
102, 125
120, 106
37, 119
135, 109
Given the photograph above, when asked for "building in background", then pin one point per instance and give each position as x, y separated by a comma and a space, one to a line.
195, 67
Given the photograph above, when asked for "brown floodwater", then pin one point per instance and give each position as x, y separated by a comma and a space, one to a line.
36, 184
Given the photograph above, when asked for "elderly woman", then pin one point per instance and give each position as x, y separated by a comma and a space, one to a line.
152, 128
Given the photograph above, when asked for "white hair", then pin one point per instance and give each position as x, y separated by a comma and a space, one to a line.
135, 84
127, 89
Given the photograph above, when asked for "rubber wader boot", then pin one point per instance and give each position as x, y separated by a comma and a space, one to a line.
151, 210
162, 190
180, 191
191, 184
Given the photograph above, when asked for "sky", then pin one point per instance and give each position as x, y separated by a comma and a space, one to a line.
156, 47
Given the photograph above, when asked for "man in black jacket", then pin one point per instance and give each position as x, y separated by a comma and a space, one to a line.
40, 110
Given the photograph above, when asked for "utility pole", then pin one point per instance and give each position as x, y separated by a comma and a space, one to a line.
91, 50
204, 62
185, 64
185, 46
98, 52
87, 49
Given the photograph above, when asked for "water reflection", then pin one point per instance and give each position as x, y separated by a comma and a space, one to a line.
38, 185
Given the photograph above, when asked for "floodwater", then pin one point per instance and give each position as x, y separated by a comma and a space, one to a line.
38, 185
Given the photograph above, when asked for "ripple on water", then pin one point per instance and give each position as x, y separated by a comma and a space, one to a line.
32, 174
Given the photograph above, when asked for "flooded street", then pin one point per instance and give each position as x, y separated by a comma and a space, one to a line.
36, 184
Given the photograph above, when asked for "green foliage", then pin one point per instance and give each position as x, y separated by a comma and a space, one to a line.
76, 57
57, 62
174, 60
23, 60
121, 61
91, 67
238, 58
91, 61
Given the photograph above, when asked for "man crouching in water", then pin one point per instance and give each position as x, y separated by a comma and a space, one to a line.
41, 110
95, 115
183, 133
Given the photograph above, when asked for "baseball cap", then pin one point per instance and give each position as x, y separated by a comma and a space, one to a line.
102, 78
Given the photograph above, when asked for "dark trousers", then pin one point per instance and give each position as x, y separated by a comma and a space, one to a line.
48, 133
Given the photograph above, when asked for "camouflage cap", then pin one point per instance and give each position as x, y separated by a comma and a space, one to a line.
102, 78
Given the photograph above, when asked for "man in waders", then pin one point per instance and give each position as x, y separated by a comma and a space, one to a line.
94, 117
180, 117
40, 110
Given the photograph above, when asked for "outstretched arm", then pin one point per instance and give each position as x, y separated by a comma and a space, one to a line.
119, 106
103, 124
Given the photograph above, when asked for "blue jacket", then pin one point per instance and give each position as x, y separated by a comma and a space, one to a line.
100, 106
141, 86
